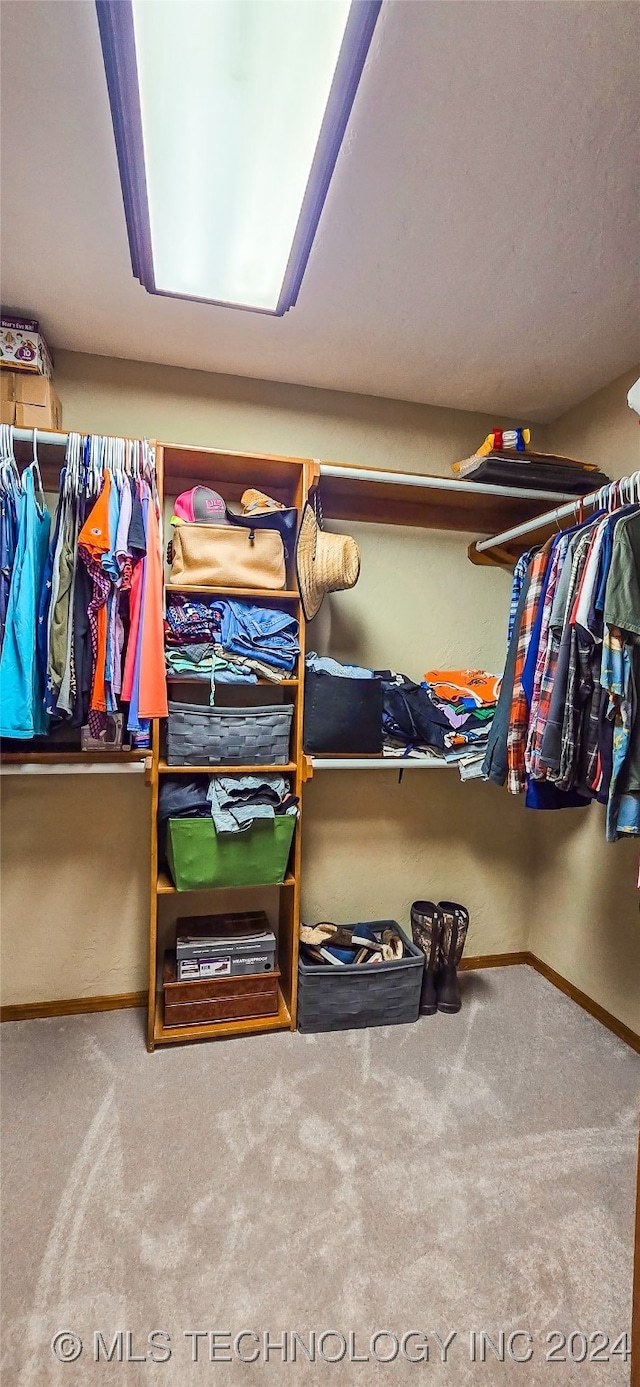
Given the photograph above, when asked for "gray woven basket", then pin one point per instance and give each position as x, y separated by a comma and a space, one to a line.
361, 994
200, 736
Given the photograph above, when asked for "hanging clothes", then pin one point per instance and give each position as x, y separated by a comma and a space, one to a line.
78, 614
10, 490
567, 725
21, 690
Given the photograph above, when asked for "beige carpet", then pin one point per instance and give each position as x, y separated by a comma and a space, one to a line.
466, 1173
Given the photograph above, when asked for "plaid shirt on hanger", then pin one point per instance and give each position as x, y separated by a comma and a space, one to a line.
546, 662
519, 724
516, 588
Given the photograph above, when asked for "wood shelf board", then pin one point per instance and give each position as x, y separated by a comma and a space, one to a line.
241, 684
427, 508
218, 1030
258, 594
165, 886
230, 473
71, 758
165, 769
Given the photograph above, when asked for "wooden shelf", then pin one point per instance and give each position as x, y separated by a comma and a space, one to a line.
166, 769
260, 594
226, 683
71, 758
231, 473
165, 886
428, 502
218, 1030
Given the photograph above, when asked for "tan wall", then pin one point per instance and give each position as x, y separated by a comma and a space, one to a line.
602, 429
75, 852
585, 921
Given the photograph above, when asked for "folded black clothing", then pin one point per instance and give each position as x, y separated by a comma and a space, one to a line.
412, 715
539, 476
183, 797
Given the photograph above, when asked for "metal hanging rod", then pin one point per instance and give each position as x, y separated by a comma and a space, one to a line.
592, 501
427, 483
44, 436
380, 763
362, 474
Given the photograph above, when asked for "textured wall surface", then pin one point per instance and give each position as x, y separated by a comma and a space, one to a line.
75, 852
418, 602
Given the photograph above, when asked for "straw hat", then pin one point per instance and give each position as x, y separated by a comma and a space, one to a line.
325, 563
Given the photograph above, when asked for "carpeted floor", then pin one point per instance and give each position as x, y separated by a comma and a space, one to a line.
466, 1173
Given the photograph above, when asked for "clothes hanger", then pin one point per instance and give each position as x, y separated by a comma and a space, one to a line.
35, 469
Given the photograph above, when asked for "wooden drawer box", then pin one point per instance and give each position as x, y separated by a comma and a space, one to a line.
217, 999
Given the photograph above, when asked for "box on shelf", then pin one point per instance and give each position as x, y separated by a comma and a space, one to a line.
361, 994
29, 401
23, 347
7, 397
217, 999
210, 946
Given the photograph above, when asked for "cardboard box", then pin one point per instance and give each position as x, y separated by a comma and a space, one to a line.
29, 389
46, 416
7, 411
36, 402
23, 347
7, 386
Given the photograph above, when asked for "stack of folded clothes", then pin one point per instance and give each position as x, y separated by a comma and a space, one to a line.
448, 715
469, 698
506, 459
229, 642
236, 800
233, 802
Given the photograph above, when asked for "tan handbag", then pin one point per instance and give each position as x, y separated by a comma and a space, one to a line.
217, 556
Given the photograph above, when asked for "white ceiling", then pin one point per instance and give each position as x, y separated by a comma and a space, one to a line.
479, 244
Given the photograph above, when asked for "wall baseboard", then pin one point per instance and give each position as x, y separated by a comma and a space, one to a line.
495, 960
606, 1018
72, 1006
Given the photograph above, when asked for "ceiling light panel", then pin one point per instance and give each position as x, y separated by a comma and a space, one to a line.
228, 117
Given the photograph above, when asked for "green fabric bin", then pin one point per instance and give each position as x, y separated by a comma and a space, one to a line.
199, 857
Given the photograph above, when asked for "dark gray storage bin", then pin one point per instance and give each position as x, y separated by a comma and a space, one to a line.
220, 736
361, 994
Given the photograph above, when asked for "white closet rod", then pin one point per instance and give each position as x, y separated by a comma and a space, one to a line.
592, 501
427, 483
380, 763
62, 768
361, 474
58, 440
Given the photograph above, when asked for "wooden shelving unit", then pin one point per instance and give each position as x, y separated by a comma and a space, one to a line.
289, 481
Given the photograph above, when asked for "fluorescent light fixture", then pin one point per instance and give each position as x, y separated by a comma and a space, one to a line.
228, 118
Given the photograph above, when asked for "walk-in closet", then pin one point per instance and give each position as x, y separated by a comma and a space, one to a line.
319, 691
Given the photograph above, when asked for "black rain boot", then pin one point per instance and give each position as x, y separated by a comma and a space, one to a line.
455, 923
426, 928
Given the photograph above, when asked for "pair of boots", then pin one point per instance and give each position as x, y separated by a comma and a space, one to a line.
440, 931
